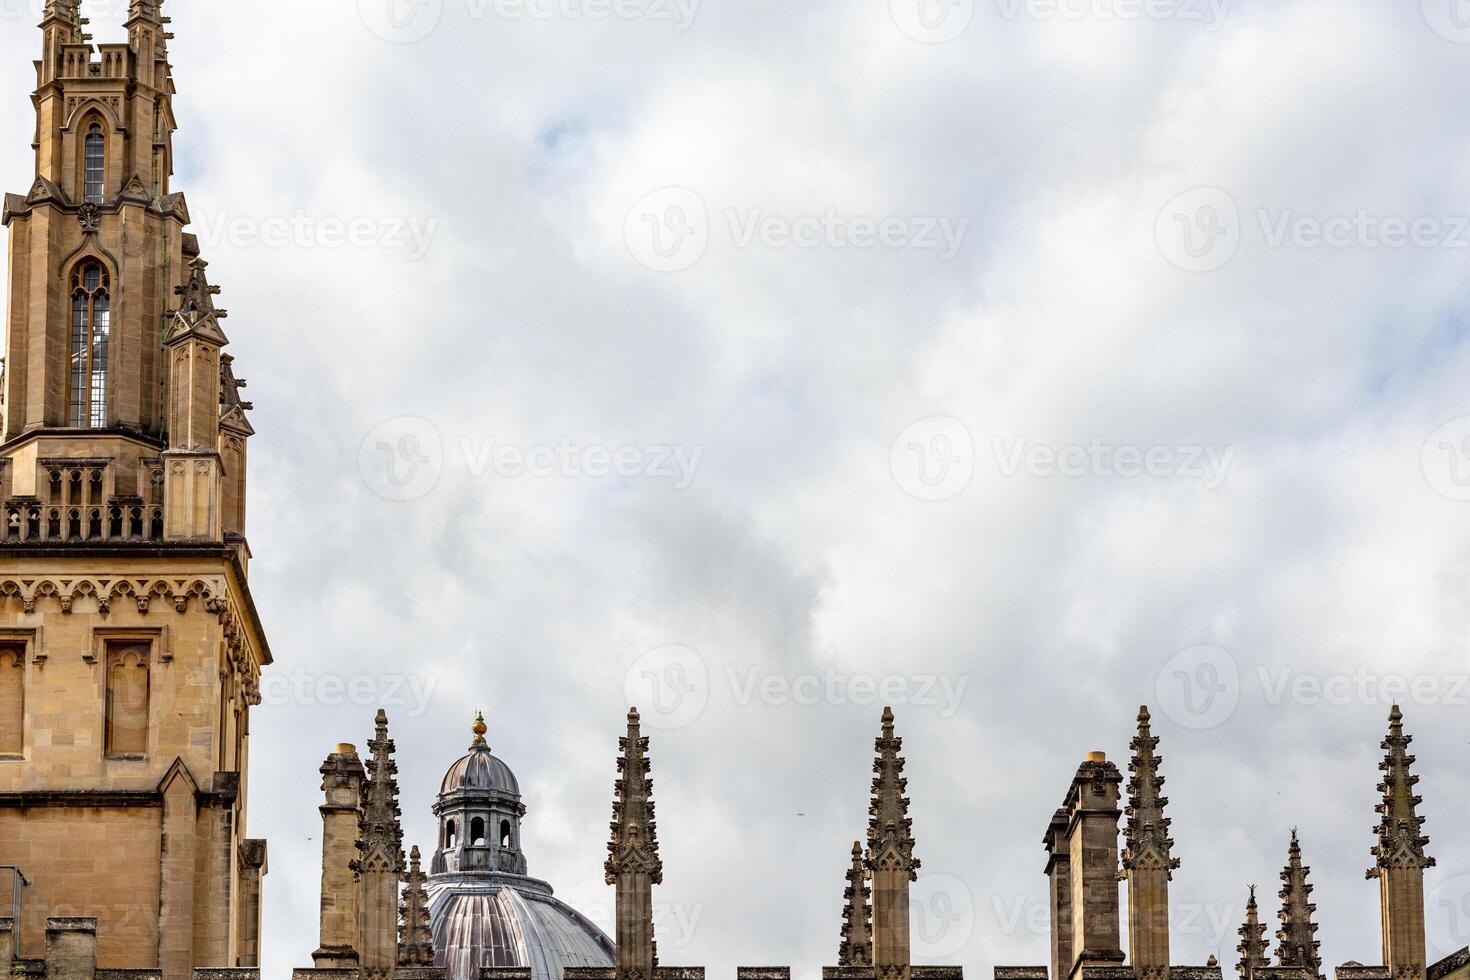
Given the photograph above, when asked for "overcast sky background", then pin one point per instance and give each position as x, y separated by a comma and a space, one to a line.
1264, 601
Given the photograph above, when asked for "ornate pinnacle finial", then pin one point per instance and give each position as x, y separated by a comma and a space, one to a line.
381, 836
633, 864
634, 845
857, 915
197, 295
1253, 946
415, 937
1148, 843
67, 15
1297, 938
479, 728
1401, 840
64, 10
890, 831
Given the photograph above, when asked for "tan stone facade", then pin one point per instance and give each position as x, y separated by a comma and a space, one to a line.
130, 649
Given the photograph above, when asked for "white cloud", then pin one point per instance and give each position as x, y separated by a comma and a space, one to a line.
795, 552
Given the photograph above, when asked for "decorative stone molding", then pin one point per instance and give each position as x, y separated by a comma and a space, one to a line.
1453, 963
211, 595
937, 972
848, 973
1357, 971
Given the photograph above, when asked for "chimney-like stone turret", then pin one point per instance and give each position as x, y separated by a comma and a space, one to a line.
1092, 808
342, 776
1059, 874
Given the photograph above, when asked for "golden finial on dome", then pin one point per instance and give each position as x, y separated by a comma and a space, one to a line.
479, 728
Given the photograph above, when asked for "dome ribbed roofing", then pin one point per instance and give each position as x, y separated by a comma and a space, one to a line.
506, 920
480, 771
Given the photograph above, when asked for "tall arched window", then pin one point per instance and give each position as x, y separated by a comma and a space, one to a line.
91, 322
96, 147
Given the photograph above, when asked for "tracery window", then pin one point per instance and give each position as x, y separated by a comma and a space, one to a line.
91, 328
95, 156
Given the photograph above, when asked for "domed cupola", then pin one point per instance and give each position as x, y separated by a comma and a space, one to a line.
479, 810
483, 909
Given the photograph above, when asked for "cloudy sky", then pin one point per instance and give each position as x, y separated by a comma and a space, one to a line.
1015, 362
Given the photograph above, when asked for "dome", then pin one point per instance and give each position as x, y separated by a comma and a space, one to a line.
510, 920
480, 772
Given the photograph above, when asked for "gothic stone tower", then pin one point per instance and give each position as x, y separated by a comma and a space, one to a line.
130, 649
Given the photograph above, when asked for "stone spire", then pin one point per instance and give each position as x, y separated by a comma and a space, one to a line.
633, 865
415, 937
380, 861
857, 915
1148, 863
1401, 860
1253, 947
1297, 937
890, 858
